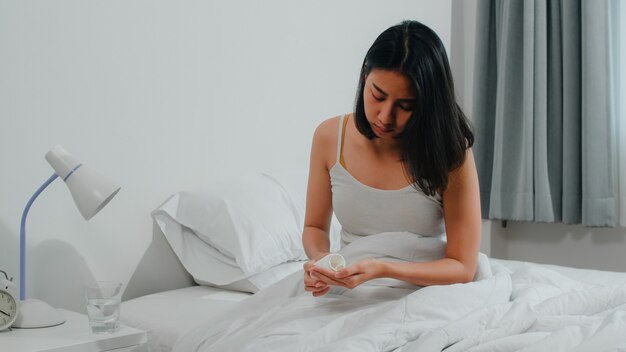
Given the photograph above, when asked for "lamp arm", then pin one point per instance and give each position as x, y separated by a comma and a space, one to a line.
23, 235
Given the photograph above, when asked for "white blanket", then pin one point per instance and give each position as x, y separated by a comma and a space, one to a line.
534, 309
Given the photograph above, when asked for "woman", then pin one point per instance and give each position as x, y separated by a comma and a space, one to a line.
401, 162
398, 169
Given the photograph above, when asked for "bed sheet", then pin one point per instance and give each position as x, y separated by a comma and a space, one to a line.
168, 315
532, 308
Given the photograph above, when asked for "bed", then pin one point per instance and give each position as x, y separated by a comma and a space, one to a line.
166, 316
249, 296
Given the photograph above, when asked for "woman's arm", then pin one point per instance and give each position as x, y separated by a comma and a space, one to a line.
315, 238
461, 212
461, 208
319, 208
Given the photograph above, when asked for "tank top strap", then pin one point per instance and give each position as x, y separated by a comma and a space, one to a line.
343, 121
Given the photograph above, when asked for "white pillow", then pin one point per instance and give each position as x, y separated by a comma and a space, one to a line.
233, 230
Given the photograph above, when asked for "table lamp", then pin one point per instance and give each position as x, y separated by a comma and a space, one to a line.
91, 192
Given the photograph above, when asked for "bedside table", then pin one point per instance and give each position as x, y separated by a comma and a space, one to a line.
73, 336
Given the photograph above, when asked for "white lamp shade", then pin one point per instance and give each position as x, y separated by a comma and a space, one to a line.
61, 161
90, 190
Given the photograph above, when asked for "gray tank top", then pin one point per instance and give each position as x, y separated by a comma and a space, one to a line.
363, 210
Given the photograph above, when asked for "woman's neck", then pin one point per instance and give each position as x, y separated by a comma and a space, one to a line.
386, 149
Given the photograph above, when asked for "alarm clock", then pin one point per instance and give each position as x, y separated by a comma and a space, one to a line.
9, 303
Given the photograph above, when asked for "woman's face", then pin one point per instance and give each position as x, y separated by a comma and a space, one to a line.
389, 100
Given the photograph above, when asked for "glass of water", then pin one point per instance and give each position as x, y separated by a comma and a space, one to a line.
103, 305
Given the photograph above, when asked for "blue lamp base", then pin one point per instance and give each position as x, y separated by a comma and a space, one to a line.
34, 313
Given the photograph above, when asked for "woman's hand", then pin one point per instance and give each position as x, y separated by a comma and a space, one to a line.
314, 284
352, 276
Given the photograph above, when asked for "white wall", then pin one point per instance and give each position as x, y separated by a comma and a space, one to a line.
570, 245
163, 96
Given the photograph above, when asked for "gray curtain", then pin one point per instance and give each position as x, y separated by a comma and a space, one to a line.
545, 147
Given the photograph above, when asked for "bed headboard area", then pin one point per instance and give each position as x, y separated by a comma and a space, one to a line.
158, 270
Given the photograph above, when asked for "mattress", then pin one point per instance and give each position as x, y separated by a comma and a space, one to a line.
166, 316
598, 277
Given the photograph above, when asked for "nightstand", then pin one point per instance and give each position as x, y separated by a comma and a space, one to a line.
73, 336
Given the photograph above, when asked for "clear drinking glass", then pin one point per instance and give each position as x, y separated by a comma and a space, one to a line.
103, 305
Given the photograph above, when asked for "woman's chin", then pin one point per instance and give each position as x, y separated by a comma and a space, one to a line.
384, 134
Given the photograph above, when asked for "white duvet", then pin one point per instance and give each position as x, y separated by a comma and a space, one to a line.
532, 309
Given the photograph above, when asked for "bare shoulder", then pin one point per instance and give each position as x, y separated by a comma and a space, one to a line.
324, 145
326, 131
466, 172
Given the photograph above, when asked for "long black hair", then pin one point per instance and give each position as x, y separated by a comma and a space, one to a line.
435, 138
